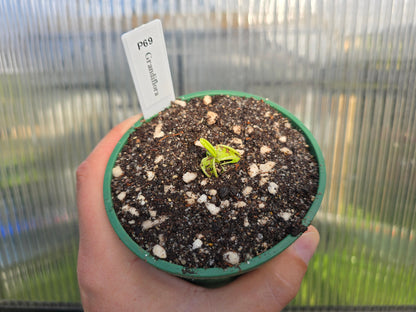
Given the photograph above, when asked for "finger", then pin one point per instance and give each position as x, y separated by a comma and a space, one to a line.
93, 222
273, 285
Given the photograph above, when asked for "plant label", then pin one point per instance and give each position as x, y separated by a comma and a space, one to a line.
145, 49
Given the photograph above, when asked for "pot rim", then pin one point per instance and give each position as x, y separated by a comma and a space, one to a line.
215, 273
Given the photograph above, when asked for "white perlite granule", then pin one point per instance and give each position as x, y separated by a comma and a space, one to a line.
212, 192
236, 141
202, 199
197, 244
283, 139
225, 203
168, 188
211, 117
150, 175
130, 210
159, 251
240, 204
231, 257
265, 149
247, 190
180, 103
207, 99
141, 199
237, 129
272, 188
286, 151
189, 176
214, 210
117, 171
263, 221
253, 170
267, 167
263, 181
151, 223
190, 198
121, 196
198, 143
158, 159
158, 131
285, 215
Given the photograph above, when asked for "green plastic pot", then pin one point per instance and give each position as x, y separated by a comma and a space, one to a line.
214, 277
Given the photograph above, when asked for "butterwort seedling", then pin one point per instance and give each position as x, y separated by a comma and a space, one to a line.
220, 154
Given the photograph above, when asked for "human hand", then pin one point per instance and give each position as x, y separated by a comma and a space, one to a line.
112, 278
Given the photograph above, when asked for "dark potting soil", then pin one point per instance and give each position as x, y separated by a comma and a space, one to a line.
170, 208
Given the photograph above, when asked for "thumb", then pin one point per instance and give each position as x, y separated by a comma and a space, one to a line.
272, 286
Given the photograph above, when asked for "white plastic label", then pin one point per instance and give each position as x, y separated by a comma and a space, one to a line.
145, 49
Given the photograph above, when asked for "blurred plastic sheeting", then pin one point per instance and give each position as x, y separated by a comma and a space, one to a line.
346, 68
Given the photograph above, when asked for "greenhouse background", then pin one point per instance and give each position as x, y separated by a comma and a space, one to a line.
346, 68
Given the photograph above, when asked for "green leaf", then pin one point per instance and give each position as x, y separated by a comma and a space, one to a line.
221, 154
208, 146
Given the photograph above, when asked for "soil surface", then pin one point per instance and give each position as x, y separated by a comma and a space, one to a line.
172, 209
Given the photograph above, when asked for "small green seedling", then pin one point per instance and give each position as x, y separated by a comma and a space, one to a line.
220, 154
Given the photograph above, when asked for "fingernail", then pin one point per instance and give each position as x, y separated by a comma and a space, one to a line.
305, 245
